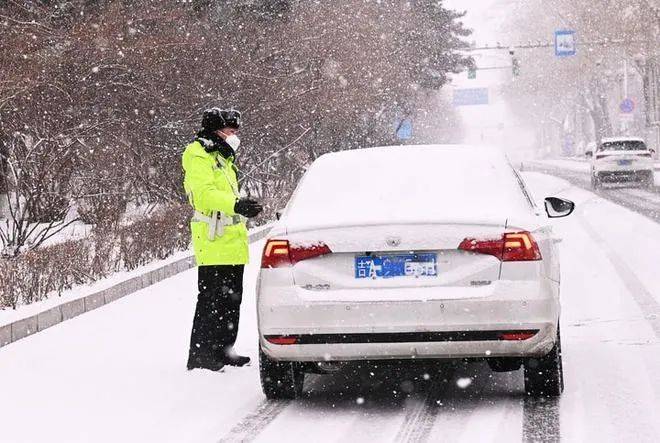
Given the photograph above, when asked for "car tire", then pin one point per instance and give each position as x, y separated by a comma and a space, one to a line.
544, 376
649, 181
280, 379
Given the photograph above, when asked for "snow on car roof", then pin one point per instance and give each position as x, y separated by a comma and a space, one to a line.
406, 184
621, 139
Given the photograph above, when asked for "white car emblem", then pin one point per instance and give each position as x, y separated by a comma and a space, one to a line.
393, 241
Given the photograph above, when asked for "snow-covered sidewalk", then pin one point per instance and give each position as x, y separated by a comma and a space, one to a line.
16, 324
118, 373
9, 315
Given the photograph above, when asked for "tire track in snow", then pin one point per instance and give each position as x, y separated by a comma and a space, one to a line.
540, 420
249, 428
644, 194
644, 299
640, 294
418, 421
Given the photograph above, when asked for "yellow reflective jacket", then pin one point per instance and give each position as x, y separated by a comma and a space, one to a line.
211, 185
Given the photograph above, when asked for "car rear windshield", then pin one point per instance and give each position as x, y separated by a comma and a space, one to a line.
408, 184
631, 145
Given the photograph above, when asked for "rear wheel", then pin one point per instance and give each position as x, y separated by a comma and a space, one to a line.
649, 181
280, 379
544, 376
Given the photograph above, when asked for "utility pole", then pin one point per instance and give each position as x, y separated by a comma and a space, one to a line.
649, 65
625, 78
624, 123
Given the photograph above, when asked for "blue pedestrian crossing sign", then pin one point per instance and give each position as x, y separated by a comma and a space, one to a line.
565, 43
627, 106
404, 129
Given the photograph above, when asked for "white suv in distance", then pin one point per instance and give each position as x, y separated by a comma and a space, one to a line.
417, 252
621, 160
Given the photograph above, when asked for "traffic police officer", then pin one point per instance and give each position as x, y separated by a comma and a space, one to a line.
219, 237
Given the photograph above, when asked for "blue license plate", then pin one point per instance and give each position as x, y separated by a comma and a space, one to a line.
400, 265
624, 162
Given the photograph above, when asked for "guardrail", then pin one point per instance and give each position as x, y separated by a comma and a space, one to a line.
25, 327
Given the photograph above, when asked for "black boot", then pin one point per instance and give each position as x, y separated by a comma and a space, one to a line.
237, 360
231, 358
197, 363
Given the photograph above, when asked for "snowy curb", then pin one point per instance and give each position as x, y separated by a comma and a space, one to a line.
22, 328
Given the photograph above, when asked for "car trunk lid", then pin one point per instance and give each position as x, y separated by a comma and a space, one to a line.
396, 256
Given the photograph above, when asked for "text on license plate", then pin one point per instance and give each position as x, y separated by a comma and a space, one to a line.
624, 162
401, 265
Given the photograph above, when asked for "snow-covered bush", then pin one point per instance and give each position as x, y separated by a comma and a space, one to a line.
155, 238
51, 270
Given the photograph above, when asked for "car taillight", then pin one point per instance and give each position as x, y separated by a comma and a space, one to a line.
280, 253
276, 254
281, 339
489, 247
517, 335
520, 246
300, 253
513, 246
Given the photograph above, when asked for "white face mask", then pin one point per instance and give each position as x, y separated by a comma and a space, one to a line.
233, 141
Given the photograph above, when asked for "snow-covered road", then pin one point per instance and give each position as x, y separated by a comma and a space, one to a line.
643, 201
118, 373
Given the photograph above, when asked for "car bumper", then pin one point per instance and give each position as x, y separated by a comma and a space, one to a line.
624, 176
436, 324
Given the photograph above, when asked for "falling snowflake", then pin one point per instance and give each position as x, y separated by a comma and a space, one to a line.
463, 382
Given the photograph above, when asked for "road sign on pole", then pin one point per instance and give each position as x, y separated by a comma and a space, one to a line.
470, 96
627, 106
404, 129
565, 43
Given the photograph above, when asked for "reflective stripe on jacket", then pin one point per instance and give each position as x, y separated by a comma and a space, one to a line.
211, 185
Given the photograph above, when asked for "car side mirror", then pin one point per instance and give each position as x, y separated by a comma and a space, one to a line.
278, 213
589, 154
558, 207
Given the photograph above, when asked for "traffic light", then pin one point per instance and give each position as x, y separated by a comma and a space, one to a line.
472, 72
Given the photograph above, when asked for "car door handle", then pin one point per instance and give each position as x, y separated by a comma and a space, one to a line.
557, 240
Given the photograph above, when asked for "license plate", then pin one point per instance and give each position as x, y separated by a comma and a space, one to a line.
624, 162
401, 265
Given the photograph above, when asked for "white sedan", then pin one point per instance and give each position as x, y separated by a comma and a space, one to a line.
622, 159
419, 252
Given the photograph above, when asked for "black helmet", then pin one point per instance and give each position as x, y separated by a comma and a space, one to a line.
216, 118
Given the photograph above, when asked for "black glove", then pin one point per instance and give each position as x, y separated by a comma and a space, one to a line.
247, 207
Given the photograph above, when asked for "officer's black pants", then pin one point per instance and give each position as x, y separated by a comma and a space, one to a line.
216, 317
